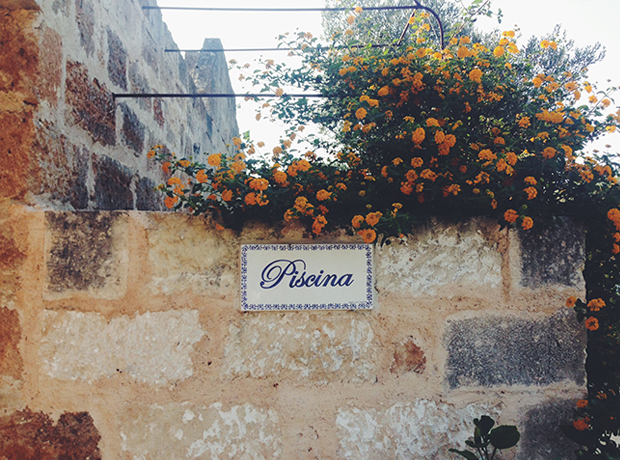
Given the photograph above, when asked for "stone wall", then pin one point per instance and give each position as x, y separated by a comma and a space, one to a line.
65, 142
122, 338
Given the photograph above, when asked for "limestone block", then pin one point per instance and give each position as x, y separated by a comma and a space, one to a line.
112, 184
153, 348
178, 431
423, 429
506, 350
86, 253
11, 363
187, 253
303, 347
553, 256
446, 260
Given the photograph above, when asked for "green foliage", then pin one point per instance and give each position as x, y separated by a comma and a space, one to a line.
485, 436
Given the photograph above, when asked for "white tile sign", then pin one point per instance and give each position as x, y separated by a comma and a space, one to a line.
306, 277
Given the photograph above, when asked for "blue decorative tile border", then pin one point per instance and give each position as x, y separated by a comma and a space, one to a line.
366, 304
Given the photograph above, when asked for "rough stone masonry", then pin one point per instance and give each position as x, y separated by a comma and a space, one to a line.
121, 335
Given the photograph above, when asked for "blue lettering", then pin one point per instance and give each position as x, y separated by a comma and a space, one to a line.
276, 272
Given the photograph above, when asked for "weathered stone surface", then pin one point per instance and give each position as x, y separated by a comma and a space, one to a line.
158, 112
553, 256
303, 347
153, 348
421, 430
490, 351
91, 105
147, 199
85, 19
132, 130
408, 357
84, 254
50, 66
28, 435
456, 256
112, 184
176, 431
117, 60
541, 436
187, 253
10, 334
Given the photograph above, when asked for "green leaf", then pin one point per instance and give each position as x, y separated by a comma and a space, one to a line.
465, 453
484, 424
504, 437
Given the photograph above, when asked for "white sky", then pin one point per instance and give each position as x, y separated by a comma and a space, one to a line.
586, 21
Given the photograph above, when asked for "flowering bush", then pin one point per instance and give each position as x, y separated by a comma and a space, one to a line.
418, 132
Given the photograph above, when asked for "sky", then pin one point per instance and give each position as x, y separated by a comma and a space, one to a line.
586, 21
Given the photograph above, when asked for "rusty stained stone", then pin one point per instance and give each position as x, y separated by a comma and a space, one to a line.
28, 435
117, 60
91, 105
81, 253
112, 184
132, 131
11, 363
85, 19
50, 66
408, 357
19, 61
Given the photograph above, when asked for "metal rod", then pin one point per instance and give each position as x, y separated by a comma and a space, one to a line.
214, 95
233, 50
272, 10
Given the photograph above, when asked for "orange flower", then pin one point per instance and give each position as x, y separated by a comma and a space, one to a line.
549, 152
323, 195
361, 113
384, 91
150, 154
215, 159
184, 163
571, 301
511, 158
166, 167
372, 218
250, 199
527, 223
396, 161
581, 425
418, 135
280, 177
531, 192
170, 201
582, 403
511, 216
592, 323
596, 304
417, 162
530, 180
356, 222
174, 181
499, 51
432, 122
201, 176
227, 195
368, 235
259, 184
475, 75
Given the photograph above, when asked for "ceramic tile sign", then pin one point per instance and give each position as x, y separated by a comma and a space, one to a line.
306, 277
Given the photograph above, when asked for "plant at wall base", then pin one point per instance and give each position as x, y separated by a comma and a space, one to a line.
488, 440
418, 132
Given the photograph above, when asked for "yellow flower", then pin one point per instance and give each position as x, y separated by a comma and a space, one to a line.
475, 75
499, 51
360, 113
279, 92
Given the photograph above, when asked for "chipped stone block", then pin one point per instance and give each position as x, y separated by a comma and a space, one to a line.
86, 253
553, 256
423, 429
11, 363
112, 184
153, 348
303, 347
176, 431
493, 350
444, 260
33, 435
188, 254
91, 105
541, 436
